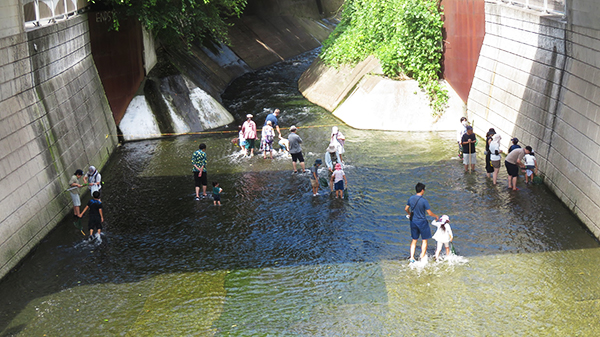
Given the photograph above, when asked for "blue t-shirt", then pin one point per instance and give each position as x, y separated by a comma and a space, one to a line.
513, 147
271, 117
419, 206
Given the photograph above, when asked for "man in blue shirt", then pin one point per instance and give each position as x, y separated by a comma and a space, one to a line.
419, 225
273, 118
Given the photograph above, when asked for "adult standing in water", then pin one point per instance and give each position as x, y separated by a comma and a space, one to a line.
93, 179
295, 148
74, 187
489, 169
337, 139
272, 117
462, 129
249, 131
469, 155
199, 170
332, 157
417, 209
266, 142
513, 161
495, 156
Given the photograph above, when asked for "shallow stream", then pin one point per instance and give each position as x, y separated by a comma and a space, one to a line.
273, 260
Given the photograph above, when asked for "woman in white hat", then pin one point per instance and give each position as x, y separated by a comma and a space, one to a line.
93, 179
249, 131
337, 139
495, 156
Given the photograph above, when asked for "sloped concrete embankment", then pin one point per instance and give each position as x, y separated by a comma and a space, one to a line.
364, 98
54, 119
538, 79
182, 94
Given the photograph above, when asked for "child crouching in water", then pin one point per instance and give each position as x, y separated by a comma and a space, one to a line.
443, 235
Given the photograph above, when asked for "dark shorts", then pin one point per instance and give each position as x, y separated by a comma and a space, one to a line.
250, 143
297, 156
420, 228
94, 222
511, 169
216, 197
200, 181
339, 186
489, 166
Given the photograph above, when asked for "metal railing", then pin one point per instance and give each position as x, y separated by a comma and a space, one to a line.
546, 6
42, 12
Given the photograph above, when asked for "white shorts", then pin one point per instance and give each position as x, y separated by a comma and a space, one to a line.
466, 157
440, 245
76, 199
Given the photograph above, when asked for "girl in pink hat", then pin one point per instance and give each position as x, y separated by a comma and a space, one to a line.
337, 180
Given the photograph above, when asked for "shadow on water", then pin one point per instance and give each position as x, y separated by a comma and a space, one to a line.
270, 220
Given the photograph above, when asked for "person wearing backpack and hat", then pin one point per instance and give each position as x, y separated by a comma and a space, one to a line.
94, 180
332, 157
314, 177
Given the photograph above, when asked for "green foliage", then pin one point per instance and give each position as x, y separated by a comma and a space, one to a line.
175, 20
405, 35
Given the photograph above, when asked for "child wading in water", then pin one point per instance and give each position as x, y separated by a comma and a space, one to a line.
96, 216
217, 193
337, 180
530, 165
314, 177
443, 235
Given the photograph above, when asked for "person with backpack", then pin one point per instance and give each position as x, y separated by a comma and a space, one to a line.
94, 180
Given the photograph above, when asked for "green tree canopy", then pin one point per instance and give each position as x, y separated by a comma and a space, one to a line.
179, 20
405, 35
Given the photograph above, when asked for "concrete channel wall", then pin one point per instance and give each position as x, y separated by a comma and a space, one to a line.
54, 119
538, 79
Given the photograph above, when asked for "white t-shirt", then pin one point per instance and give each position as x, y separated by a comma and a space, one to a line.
493, 148
460, 132
529, 160
442, 235
338, 175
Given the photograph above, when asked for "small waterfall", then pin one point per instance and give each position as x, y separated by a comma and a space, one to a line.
138, 121
171, 103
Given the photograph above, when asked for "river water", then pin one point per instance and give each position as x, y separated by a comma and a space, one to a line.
273, 260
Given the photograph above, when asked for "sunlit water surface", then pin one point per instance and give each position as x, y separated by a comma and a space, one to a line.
274, 260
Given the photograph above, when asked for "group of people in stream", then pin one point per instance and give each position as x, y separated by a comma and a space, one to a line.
93, 179
516, 158
291, 146
417, 207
